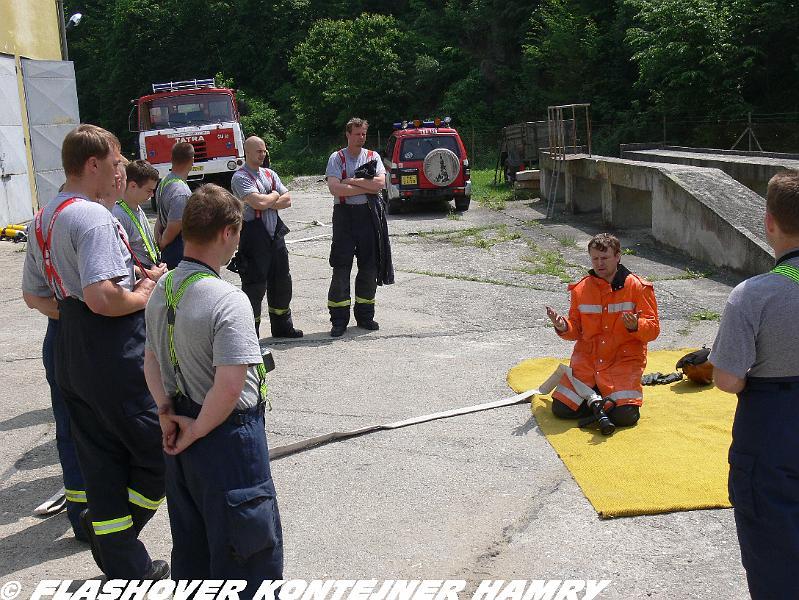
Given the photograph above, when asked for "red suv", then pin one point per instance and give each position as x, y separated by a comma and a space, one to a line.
426, 160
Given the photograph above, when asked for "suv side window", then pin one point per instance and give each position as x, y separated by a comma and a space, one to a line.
416, 148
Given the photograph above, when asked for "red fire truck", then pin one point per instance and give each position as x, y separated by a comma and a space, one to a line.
194, 111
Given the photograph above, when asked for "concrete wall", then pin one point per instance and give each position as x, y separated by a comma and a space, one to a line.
752, 169
700, 211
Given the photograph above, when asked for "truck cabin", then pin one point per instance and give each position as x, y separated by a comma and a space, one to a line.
183, 109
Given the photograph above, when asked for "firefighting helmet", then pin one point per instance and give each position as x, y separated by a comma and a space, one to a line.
696, 367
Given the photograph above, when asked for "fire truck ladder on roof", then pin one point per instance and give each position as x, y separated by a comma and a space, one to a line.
558, 149
190, 84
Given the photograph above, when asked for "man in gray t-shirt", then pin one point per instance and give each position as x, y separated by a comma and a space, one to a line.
262, 261
354, 231
77, 261
755, 356
212, 413
171, 196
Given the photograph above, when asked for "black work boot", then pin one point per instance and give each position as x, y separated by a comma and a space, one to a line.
159, 570
86, 523
371, 325
283, 326
338, 330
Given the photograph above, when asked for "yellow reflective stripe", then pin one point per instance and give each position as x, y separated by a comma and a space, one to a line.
263, 390
787, 271
138, 499
359, 300
149, 243
75, 495
112, 526
278, 311
342, 304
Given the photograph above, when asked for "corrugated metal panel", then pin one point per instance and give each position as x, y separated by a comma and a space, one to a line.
15, 196
15, 199
52, 103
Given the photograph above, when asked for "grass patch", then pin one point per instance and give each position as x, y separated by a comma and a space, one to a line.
454, 216
688, 274
568, 241
705, 315
545, 262
484, 236
486, 194
628, 251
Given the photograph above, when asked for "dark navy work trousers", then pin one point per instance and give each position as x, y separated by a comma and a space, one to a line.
67, 455
222, 504
353, 235
764, 485
100, 370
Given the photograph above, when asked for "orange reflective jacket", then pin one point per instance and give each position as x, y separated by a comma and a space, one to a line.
607, 355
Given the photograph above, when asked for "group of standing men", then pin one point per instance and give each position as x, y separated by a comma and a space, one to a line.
176, 408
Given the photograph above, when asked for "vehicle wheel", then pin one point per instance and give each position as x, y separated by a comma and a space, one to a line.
393, 207
462, 205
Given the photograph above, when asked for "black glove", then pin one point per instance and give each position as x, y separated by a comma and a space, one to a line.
368, 170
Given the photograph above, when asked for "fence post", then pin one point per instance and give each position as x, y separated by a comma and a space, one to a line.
474, 158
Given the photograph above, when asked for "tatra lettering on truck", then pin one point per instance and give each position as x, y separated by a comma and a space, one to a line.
194, 111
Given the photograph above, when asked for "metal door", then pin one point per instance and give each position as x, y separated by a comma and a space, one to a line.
15, 192
52, 101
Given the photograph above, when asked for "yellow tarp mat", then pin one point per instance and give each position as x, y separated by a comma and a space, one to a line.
675, 458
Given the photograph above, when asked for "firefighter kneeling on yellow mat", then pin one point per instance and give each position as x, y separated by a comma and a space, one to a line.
612, 317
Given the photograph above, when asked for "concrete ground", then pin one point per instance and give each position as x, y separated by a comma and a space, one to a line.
481, 496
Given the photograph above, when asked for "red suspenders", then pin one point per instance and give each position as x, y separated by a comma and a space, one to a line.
255, 181
53, 279
343, 160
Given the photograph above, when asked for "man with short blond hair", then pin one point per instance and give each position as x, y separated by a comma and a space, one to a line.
353, 231
78, 267
204, 367
755, 357
613, 315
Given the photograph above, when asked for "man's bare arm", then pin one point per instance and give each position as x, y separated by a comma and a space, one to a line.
727, 382
109, 299
46, 305
371, 186
173, 228
340, 188
262, 201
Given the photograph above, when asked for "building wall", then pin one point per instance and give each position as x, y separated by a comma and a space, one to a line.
29, 28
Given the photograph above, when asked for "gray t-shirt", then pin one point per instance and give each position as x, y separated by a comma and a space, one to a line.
759, 328
245, 181
335, 168
214, 327
134, 235
171, 197
85, 248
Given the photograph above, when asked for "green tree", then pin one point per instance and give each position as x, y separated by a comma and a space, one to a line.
689, 55
346, 68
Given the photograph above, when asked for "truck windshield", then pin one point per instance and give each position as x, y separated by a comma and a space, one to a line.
416, 148
188, 109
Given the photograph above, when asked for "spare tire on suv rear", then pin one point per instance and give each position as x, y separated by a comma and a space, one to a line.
441, 167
